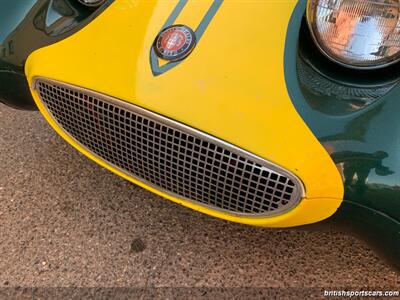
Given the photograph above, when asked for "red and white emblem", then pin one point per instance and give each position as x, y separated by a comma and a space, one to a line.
175, 42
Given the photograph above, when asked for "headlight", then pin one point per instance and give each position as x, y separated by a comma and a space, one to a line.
362, 34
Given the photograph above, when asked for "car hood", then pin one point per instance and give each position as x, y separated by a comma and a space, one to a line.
232, 86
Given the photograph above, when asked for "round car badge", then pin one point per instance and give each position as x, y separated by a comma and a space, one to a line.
175, 42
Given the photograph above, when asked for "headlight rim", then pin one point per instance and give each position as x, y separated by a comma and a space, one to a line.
92, 5
374, 65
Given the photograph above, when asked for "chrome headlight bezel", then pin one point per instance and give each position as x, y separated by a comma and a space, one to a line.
92, 3
343, 60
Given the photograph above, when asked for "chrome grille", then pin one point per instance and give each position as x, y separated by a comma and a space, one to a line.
168, 155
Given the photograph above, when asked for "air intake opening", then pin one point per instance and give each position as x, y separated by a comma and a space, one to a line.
170, 156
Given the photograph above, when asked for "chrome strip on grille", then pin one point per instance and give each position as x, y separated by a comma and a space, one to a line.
169, 156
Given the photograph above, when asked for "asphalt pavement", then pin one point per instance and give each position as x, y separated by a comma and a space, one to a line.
65, 221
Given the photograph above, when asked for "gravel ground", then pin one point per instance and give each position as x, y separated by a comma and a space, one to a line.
65, 221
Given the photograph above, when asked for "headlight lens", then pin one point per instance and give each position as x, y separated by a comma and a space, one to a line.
357, 33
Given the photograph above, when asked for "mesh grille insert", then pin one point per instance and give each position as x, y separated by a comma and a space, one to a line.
170, 156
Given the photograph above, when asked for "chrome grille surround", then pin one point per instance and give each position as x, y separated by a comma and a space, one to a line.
176, 159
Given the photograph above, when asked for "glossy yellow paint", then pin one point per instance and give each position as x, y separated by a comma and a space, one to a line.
232, 86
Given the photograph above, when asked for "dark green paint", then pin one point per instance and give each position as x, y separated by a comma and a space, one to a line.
27, 25
355, 115
154, 62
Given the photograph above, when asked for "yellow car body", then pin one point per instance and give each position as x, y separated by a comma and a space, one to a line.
232, 87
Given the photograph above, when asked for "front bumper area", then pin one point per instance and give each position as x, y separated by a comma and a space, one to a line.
245, 104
